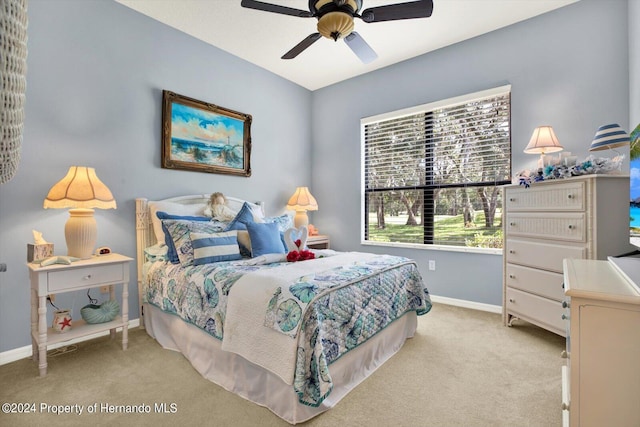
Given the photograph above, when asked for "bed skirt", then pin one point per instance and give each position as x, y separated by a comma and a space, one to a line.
262, 387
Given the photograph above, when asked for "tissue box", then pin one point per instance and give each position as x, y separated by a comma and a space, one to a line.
36, 252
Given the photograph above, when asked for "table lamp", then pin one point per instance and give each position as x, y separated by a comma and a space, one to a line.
81, 190
609, 136
301, 202
543, 141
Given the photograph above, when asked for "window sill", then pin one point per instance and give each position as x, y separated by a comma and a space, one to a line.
486, 251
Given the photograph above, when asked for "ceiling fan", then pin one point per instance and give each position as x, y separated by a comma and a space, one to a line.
336, 20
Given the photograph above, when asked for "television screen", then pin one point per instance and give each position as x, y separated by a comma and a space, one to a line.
634, 185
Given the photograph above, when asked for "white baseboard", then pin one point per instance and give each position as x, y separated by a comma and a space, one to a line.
467, 304
23, 352
26, 351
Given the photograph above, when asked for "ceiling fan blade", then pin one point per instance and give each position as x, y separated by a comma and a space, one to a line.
393, 12
297, 49
360, 47
268, 7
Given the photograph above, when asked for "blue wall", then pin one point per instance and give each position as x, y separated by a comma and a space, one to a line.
95, 78
96, 71
567, 68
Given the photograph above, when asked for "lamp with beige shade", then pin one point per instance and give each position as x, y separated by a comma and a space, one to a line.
82, 191
301, 202
543, 141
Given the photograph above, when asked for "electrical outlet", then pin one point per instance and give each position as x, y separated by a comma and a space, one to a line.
104, 289
432, 265
52, 298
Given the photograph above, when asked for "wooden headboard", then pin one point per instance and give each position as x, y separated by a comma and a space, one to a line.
145, 236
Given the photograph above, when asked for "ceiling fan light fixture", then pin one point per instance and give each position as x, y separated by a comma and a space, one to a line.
335, 25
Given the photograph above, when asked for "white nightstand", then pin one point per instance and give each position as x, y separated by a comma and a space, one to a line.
318, 242
105, 270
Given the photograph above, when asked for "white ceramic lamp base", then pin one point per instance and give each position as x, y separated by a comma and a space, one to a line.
81, 233
300, 219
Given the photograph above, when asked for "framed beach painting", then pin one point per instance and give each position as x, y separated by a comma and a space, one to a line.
199, 136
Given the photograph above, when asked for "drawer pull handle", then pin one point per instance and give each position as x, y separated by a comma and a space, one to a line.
571, 227
87, 277
570, 196
565, 406
564, 354
512, 276
511, 300
565, 304
512, 199
511, 251
513, 224
565, 317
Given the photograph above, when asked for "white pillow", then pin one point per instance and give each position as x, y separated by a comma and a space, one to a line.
236, 204
173, 209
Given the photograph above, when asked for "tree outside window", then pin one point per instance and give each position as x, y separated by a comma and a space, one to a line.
432, 173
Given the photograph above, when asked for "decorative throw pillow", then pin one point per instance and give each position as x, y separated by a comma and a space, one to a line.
284, 221
244, 241
265, 239
244, 215
180, 233
215, 247
168, 240
172, 209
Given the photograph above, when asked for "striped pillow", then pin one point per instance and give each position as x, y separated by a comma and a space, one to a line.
216, 247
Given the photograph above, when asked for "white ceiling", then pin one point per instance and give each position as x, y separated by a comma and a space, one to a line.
262, 37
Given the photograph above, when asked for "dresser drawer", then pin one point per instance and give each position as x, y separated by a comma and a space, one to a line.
553, 226
547, 256
539, 282
536, 309
570, 196
83, 277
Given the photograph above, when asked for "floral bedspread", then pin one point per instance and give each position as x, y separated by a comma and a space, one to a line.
334, 318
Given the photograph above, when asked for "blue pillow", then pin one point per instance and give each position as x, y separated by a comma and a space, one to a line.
265, 239
243, 216
180, 231
216, 247
172, 254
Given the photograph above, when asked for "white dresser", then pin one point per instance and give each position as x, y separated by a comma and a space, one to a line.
583, 217
601, 379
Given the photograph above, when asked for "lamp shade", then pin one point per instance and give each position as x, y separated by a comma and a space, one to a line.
301, 202
80, 188
543, 140
609, 136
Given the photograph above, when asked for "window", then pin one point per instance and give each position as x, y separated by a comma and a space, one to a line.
431, 173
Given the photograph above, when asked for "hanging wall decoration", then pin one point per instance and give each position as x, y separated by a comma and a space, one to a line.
13, 71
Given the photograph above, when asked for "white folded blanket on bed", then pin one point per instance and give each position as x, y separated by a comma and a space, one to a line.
244, 330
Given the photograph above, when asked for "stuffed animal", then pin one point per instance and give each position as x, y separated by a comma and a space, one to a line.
217, 208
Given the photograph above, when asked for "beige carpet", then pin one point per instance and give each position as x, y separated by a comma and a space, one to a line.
463, 368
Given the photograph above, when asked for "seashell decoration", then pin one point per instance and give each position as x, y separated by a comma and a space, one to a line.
105, 312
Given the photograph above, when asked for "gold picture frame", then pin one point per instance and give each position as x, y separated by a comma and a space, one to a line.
203, 137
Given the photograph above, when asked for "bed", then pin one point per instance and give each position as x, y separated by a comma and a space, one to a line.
294, 337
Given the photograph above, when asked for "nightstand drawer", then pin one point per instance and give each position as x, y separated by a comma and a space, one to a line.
570, 196
82, 277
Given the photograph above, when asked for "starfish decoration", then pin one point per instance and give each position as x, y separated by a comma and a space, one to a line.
65, 322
